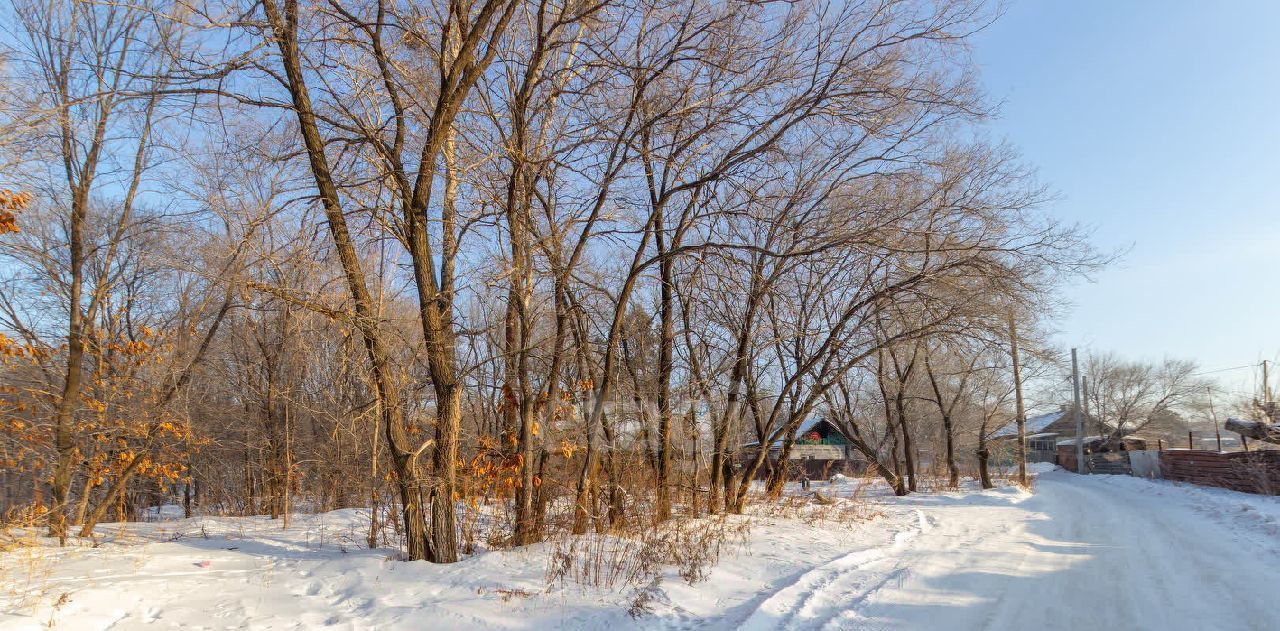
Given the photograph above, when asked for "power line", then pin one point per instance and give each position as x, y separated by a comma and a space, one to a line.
1235, 392
1210, 372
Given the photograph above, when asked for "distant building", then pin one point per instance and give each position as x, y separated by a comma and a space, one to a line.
819, 451
1044, 431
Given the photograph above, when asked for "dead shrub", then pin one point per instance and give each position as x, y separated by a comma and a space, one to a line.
824, 506
1259, 471
820, 510
642, 603
507, 594
640, 554
26, 569
20, 527
1008, 476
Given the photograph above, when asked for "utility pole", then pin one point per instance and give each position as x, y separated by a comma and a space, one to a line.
1216, 433
1266, 384
1075, 386
1084, 396
1269, 410
1021, 417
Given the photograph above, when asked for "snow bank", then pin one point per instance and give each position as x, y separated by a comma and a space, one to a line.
1141, 554
220, 572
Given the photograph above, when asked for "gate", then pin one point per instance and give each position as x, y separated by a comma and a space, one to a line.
1112, 462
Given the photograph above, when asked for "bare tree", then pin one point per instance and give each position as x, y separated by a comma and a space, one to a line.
100, 69
1127, 396
956, 390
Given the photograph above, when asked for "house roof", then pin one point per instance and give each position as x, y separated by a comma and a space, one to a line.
1039, 424
805, 427
1035, 424
1071, 441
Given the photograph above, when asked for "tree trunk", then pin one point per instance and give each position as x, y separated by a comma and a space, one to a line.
944, 409
722, 457
375, 505
778, 477
250, 499
666, 344
953, 471
984, 474
893, 479
1021, 417
518, 404
730, 481
908, 457
444, 536
891, 426
64, 466
691, 424
583, 506
82, 505
284, 29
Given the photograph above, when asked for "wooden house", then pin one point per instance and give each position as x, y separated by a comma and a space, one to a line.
1044, 431
820, 450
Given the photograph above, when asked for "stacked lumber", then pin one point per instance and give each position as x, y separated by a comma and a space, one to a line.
1250, 472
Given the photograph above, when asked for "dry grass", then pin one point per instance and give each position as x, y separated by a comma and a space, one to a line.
1008, 476
26, 565
19, 527
506, 594
1259, 472
821, 507
640, 554
642, 603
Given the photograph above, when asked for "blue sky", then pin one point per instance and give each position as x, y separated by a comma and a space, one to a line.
1158, 123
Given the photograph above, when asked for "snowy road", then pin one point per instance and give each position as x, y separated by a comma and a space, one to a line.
1082, 552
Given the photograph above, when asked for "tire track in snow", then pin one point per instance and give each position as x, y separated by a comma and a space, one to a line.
793, 604
1083, 548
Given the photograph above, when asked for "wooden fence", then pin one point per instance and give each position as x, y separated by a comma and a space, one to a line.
1251, 472
1112, 462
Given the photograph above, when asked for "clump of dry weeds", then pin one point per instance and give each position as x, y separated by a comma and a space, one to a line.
641, 553
26, 565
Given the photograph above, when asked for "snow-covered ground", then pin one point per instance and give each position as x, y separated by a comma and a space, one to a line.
1103, 551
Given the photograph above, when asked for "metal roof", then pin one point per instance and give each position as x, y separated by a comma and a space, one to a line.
1035, 425
807, 425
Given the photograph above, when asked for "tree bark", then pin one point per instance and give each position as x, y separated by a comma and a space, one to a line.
1021, 417
403, 458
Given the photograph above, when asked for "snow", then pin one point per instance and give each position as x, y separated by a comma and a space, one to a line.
168, 512
1034, 424
1110, 551
1072, 441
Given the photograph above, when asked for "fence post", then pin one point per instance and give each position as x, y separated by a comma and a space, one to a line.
1190, 445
